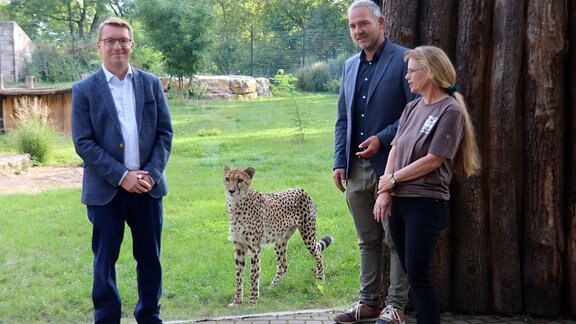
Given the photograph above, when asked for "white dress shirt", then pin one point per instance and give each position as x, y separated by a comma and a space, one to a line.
123, 94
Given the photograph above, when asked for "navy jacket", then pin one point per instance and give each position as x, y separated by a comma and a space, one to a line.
98, 137
387, 96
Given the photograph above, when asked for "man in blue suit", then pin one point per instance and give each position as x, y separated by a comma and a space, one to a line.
373, 94
122, 131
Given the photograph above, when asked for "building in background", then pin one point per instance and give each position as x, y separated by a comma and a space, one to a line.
16, 49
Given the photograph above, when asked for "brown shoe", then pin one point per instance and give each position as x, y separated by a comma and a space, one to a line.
358, 313
391, 315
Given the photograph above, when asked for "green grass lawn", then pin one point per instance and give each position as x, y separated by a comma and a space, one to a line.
45, 255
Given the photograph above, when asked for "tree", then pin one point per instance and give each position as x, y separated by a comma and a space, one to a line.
178, 29
48, 20
234, 30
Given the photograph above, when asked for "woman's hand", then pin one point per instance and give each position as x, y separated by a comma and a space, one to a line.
385, 183
382, 207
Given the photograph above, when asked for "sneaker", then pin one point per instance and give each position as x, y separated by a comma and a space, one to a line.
358, 313
391, 315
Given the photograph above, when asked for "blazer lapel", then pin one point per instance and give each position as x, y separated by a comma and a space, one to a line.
138, 87
107, 100
381, 66
351, 83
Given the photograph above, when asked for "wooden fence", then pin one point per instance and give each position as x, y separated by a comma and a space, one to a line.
511, 244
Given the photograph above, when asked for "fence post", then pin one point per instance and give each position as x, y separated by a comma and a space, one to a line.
251, 50
29, 82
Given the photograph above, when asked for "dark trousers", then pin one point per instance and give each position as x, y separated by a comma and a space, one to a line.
143, 214
415, 226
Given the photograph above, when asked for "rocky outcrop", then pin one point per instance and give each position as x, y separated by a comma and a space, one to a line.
222, 87
14, 163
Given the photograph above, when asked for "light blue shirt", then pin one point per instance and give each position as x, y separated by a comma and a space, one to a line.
123, 94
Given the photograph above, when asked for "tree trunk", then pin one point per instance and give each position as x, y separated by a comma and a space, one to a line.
437, 28
570, 259
544, 129
503, 166
400, 21
437, 24
470, 282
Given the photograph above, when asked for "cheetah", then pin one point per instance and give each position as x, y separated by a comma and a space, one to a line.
263, 218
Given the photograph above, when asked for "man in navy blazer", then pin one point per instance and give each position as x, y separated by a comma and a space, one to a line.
122, 130
373, 94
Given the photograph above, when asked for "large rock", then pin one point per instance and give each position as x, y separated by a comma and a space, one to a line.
14, 163
223, 87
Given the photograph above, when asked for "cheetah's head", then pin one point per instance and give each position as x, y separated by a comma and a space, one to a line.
237, 180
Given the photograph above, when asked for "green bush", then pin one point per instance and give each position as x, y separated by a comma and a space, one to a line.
335, 66
197, 90
282, 83
314, 78
333, 85
35, 139
34, 135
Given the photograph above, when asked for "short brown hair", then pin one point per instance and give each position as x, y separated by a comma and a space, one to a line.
115, 21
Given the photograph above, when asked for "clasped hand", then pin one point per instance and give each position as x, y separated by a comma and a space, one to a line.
137, 182
385, 183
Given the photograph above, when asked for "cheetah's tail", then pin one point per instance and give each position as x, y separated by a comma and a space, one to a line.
325, 242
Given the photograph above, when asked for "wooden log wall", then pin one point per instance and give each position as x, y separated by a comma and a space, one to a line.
511, 244
58, 101
570, 260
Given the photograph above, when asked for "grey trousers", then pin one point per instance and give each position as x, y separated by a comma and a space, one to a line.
361, 195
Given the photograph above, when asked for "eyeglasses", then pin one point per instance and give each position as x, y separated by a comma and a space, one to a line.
410, 71
111, 42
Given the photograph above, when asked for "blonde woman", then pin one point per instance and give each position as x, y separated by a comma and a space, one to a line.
435, 138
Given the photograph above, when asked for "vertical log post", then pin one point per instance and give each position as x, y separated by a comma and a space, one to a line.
544, 134
399, 27
437, 27
570, 259
504, 138
470, 282
438, 24
400, 21
29, 82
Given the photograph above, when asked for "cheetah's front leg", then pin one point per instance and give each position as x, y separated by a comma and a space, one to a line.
255, 275
240, 257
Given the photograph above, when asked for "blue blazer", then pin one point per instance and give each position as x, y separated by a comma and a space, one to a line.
98, 137
388, 93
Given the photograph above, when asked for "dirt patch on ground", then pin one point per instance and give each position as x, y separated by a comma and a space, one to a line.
16, 176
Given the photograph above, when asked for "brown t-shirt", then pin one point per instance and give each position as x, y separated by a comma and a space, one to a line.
438, 129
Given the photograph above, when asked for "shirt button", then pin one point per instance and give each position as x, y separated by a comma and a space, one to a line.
363, 97
122, 145
362, 133
362, 115
366, 79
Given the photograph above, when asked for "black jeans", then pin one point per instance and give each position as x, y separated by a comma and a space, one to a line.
415, 225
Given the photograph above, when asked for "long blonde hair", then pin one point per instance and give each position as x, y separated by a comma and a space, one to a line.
439, 67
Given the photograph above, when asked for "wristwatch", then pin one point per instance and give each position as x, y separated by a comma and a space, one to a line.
392, 179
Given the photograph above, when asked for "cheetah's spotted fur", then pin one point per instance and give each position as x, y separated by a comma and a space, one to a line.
260, 218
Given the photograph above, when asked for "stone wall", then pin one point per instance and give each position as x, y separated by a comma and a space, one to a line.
223, 86
16, 49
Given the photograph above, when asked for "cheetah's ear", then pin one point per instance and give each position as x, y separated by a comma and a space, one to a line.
250, 172
226, 168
